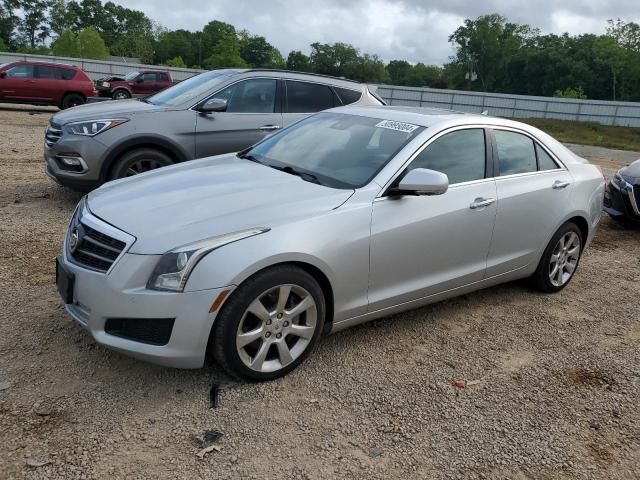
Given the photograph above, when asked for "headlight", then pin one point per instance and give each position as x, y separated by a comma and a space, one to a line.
106, 84
620, 183
173, 269
94, 127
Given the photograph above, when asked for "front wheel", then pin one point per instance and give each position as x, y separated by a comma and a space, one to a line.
270, 324
139, 161
121, 94
559, 260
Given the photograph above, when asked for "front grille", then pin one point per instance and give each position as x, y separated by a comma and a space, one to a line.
95, 249
154, 331
52, 135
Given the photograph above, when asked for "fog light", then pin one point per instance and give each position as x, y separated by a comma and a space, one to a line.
71, 161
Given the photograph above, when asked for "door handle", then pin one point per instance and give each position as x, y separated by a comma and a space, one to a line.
559, 185
481, 203
269, 128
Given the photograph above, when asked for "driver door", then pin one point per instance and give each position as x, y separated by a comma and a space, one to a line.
253, 112
423, 245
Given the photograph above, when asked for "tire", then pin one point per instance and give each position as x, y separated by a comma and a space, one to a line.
121, 94
72, 100
139, 161
544, 278
274, 330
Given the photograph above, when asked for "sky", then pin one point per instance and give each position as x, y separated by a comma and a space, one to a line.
413, 30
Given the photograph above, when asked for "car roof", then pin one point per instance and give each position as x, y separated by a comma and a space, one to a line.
48, 64
294, 75
423, 116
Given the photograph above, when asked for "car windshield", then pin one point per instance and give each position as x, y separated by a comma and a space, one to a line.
335, 149
131, 75
190, 89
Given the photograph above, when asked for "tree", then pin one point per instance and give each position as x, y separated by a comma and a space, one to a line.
178, 43
92, 46
255, 50
298, 61
332, 59
176, 62
135, 45
33, 21
66, 45
608, 52
227, 54
8, 22
218, 38
398, 71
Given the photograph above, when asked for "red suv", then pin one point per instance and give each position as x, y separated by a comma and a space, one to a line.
41, 83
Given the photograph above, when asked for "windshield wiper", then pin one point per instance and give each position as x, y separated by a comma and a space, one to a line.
248, 156
308, 177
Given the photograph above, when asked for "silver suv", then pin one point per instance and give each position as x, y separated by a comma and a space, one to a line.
216, 112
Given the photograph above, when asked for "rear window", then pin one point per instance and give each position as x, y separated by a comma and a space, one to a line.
348, 96
303, 97
67, 73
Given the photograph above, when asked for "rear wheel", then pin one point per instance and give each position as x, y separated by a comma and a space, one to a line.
121, 94
270, 324
72, 100
139, 161
559, 260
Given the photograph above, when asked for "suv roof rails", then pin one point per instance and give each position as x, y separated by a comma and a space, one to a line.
284, 70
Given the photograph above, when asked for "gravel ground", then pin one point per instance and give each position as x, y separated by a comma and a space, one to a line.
553, 381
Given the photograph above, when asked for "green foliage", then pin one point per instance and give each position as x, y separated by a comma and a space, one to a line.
577, 92
33, 26
3, 46
227, 54
8, 22
137, 45
176, 62
298, 61
66, 45
92, 46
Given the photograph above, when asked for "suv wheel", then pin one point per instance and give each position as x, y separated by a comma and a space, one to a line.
559, 260
269, 325
121, 94
139, 161
72, 100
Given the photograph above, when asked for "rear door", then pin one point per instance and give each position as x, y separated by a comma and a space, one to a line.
423, 245
18, 84
46, 83
533, 190
305, 98
252, 113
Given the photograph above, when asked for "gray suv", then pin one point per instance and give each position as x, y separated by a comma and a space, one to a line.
216, 112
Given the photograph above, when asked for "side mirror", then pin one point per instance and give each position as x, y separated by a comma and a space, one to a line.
139, 80
214, 105
3, 74
422, 181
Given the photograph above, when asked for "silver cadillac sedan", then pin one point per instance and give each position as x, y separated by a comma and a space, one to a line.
349, 215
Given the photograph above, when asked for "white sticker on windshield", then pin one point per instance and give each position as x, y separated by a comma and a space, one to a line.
399, 126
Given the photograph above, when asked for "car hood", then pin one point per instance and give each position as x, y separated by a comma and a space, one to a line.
632, 172
111, 79
185, 203
103, 110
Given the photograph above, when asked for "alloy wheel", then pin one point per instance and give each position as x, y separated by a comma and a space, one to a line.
564, 259
276, 328
141, 166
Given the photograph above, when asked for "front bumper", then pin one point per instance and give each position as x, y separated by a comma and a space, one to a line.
89, 149
121, 294
621, 204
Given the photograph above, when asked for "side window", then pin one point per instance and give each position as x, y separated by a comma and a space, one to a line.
43, 71
348, 96
21, 71
163, 77
516, 153
251, 96
461, 155
545, 162
66, 73
303, 97
148, 77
